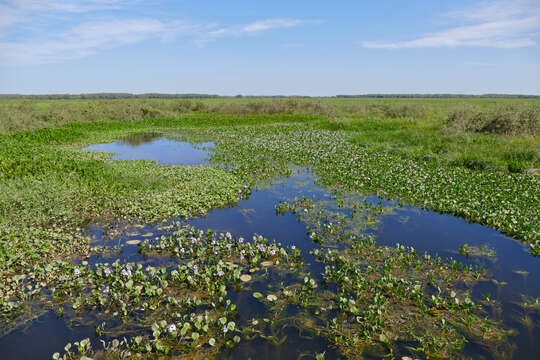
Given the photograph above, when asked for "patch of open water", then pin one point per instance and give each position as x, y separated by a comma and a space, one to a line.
426, 231
158, 148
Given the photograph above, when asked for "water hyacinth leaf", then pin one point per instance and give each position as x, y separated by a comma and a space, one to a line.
184, 329
257, 295
245, 277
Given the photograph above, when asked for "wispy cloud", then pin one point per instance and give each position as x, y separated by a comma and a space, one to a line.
255, 27
96, 33
500, 24
20, 11
90, 38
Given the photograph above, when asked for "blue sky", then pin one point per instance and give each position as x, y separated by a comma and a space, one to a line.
316, 48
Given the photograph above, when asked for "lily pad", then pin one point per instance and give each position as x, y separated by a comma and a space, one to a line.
133, 242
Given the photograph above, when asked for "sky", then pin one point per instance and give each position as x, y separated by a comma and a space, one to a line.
315, 48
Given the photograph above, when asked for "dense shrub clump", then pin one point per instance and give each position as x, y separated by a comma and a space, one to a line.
505, 119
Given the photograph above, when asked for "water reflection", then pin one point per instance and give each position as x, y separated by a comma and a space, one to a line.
158, 148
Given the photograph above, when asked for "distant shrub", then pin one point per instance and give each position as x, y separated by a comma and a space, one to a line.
281, 106
182, 105
394, 111
401, 110
506, 119
199, 106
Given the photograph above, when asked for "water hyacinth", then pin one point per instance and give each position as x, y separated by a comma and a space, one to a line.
126, 272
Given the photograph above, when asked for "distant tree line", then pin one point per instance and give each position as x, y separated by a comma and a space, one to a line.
104, 96
437, 96
110, 96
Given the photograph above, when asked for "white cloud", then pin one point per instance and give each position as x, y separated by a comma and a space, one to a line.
89, 38
93, 36
13, 12
256, 27
43, 37
500, 24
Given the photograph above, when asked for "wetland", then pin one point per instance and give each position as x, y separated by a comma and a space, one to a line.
281, 236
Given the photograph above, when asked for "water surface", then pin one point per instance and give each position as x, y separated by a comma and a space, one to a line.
158, 148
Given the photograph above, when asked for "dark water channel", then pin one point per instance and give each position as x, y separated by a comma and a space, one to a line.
426, 231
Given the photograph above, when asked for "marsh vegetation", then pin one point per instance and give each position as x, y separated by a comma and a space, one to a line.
292, 228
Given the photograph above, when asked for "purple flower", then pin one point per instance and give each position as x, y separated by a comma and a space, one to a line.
195, 267
77, 271
261, 248
241, 240
225, 329
182, 250
107, 271
162, 246
106, 290
293, 247
126, 272
213, 242
229, 246
193, 240
228, 236
171, 328
273, 252
219, 273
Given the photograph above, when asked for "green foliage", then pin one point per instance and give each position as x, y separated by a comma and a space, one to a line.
504, 119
